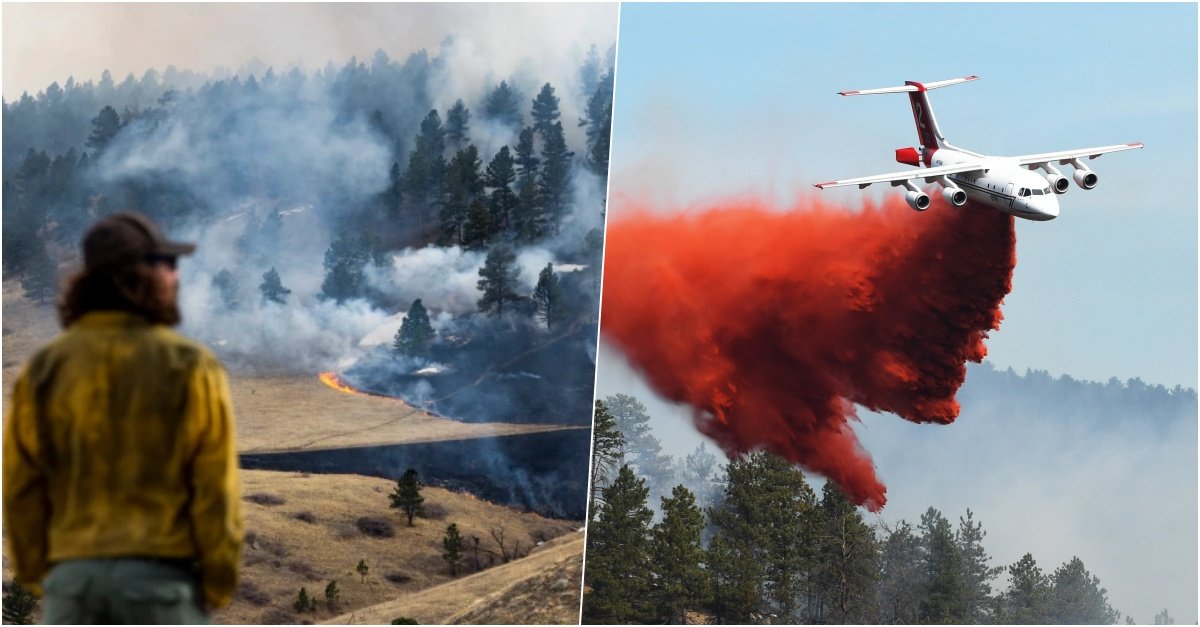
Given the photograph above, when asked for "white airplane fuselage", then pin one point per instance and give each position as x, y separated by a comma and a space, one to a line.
1006, 184
1001, 185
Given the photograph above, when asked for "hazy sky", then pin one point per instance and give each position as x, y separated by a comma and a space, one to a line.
46, 42
716, 101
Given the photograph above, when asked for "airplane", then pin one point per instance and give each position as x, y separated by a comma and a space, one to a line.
1008, 184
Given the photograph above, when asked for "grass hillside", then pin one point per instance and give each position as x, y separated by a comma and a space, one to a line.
304, 530
542, 588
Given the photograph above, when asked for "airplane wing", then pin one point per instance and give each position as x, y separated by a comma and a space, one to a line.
1065, 156
898, 178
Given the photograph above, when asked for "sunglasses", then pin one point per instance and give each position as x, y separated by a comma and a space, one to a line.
166, 260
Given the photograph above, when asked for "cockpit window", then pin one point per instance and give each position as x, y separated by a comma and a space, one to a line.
1037, 192
1046, 191
1023, 192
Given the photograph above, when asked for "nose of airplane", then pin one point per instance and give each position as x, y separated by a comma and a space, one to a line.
1049, 206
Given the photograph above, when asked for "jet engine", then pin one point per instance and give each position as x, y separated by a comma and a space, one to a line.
1057, 181
954, 195
1084, 177
918, 200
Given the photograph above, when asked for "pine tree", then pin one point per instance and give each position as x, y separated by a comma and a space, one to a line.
698, 472
589, 72
737, 580
545, 110
458, 120
766, 525
503, 105
500, 176
599, 125
272, 288
452, 545
977, 575
548, 298
41, 276
945, 596
105, 127
554, 178
499, 280
642, 449
302, 602
416, 333
1076, 597
529, 219
619, 555
332, 594
847, 557
362, 569
426, 166
344, 261
226, 287
607, 443
407, 495
526, 160
680, 581
479, 228
463, 185
1026, 602
901, 578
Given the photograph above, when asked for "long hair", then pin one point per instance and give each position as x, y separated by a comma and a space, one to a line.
134, 288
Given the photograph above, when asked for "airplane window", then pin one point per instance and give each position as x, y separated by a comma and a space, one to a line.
1023, 192
1037, 192
1046, 191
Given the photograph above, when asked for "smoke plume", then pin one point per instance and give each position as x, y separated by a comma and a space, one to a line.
771, 326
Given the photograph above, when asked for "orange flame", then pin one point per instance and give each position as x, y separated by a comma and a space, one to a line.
332, 380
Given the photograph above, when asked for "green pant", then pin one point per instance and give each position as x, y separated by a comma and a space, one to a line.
121, 591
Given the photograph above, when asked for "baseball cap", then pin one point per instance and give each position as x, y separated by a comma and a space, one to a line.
126, 238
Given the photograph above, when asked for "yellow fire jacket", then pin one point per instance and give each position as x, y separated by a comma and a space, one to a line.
119, 443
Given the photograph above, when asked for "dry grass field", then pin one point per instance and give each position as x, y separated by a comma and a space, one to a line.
542, 588
303, 529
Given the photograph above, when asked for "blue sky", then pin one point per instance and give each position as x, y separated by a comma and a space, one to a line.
716, 101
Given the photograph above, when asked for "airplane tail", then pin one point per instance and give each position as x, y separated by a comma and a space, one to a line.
927, 129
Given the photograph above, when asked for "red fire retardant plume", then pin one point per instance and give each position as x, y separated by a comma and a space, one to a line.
770, 325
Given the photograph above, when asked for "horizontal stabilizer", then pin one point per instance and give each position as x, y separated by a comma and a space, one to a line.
909, 86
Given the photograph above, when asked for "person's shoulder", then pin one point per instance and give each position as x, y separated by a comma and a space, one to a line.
186, 347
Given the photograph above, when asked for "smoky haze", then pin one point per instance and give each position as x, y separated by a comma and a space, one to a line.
504, 39
271, 134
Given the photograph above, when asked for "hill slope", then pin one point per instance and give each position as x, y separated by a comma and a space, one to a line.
542, 588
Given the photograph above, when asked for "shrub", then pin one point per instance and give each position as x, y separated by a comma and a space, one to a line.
300, 567
375, 527
434, 511
249, 592
398, 578
264, 498
307, 517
